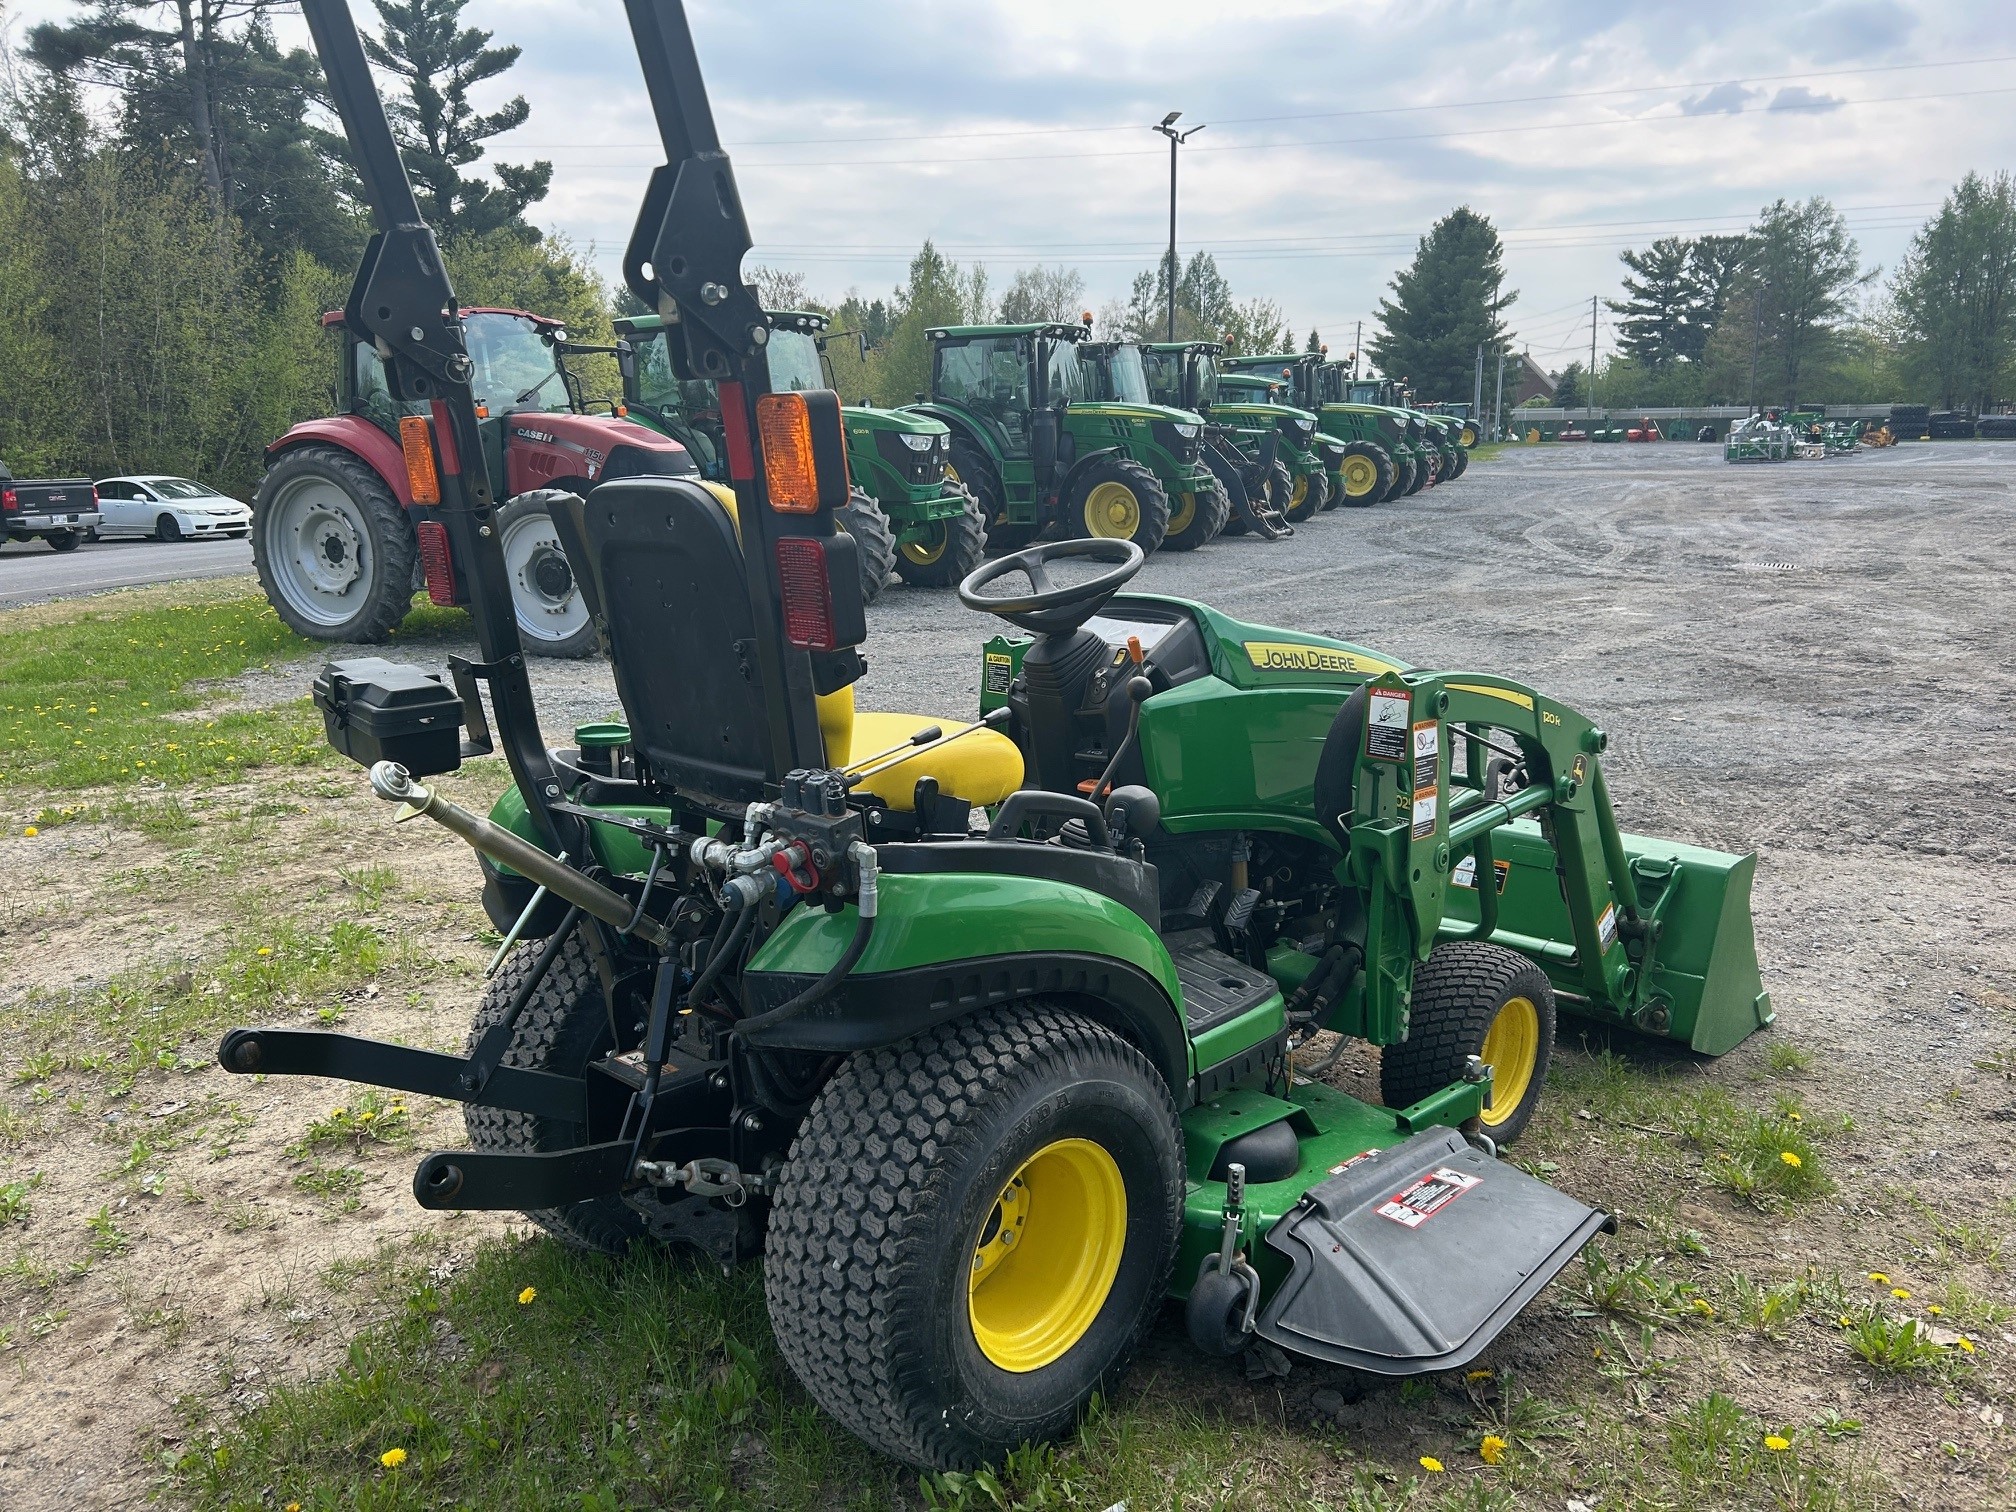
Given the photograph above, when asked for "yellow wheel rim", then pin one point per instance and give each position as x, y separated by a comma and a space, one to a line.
1112, 511
930, 548
1511, 1050
1184, 512
1298, 491
1046, 1255
1469, 435
1361, 476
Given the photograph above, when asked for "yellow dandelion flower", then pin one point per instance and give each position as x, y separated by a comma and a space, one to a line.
1702, 1306
1790, 1159
1431, 1464
1900, 1294
1777, 1443
1845, 1321
265, 950
1965, 1343
366, 1116
1796, 1117
528, 1296
1492, 1450
31, 832
1935, 1309
293, 1507
1477, 1375
392, 1459
1879, 1278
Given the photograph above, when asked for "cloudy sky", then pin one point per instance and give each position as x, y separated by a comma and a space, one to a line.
1019, 132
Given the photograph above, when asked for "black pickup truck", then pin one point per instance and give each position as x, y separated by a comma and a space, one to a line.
61, 511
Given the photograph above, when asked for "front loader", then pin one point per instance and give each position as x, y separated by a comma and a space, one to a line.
990, 1037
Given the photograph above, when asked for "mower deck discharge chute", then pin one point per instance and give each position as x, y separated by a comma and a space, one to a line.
989, 1038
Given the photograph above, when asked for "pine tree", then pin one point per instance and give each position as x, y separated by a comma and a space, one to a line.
1446, 304
1657, 303
1714, 266
1315, 341
440, 131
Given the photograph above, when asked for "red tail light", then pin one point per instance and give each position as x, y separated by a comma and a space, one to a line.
807, 595
436, 563
10, 501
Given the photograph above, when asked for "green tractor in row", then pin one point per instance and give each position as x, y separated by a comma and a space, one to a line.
908, 512
990, 1038
1033, 442
1395, 458
1256, 407
1443, 434
1468, 430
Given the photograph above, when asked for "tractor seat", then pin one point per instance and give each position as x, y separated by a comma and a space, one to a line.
663, 569
983, 767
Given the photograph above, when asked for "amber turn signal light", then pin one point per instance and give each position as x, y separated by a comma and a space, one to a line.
418, 445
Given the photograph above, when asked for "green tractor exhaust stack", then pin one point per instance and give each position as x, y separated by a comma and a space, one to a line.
982, 1037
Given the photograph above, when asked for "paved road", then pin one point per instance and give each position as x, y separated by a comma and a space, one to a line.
30, 572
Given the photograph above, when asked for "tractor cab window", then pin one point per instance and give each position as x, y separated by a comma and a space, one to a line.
1126, 377
1164, 372
1064, 376
516, 367
1206, 373
657, 386
986, 373
370, 395
794, 362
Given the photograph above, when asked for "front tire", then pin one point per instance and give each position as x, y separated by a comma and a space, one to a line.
973, 1232
874, 542
949, 550
562, 1029
1472, 998
333, 548
1368, 474
167, 529
1116, 498
553, 617
1196, 516
1308, 496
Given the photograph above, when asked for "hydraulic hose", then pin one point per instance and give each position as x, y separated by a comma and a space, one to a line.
717, 960
864, 929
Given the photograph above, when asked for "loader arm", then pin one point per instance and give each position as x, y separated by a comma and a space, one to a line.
403, 302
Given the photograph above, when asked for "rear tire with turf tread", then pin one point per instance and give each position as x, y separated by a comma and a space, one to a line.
874, 542
562, 1029
1459, 992
892, 1186
965, 548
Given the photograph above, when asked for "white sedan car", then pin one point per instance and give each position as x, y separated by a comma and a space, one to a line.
169, 509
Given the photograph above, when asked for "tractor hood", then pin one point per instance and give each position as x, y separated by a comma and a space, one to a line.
1263, 411
868, 417
1119, 411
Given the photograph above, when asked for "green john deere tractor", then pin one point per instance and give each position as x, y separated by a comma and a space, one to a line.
930, 528
1254, 405
1402, 439
1468, 432
1449, 459
990, 1037
1032, 442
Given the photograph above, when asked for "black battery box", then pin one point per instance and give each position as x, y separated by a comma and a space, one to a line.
379, 710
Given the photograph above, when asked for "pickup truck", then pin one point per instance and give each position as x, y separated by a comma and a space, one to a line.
60, 511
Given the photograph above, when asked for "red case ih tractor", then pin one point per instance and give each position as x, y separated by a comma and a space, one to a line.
341, 529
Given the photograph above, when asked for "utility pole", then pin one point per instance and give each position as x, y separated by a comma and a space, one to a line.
1357, 346
1756, 337
1477, 388
1592, 359
1498, 398
1176, 139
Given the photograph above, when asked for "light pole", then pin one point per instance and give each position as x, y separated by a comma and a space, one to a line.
1176, 139
1757, 336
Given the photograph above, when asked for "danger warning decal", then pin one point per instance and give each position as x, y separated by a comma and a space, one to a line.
1427, 1197
1386, 725
1427, 745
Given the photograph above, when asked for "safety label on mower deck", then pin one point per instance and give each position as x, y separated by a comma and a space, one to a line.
1386, 725
1427, 1197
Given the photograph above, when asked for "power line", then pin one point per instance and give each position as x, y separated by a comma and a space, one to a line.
1326, 115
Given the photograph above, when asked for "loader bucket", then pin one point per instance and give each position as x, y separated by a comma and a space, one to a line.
1701, 984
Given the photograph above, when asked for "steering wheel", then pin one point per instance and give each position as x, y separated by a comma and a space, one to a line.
1051, 609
